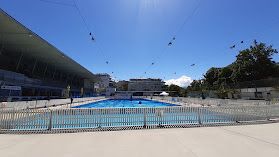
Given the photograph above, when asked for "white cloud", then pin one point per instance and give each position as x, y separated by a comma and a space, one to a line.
183, 81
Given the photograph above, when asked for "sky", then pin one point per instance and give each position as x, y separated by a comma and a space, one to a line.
132, 34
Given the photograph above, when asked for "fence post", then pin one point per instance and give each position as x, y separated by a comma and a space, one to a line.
13, 119
267, 114
144, 122
50, 120
199, 116
100, 118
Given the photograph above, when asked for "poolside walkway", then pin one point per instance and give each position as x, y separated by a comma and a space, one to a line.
229, 141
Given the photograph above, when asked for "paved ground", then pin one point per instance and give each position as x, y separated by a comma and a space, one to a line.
229, 141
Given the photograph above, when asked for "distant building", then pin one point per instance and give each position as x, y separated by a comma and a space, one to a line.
148, 84
106, 81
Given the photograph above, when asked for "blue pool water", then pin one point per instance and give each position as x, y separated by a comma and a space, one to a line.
126, 103
115, 112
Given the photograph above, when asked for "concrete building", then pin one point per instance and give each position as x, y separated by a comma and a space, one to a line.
31, 68
148, 84
261, 93
264, 89
105, 81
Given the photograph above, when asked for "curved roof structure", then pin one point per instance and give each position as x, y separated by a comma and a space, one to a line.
17, 38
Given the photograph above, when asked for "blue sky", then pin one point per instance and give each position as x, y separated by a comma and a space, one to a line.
132, 33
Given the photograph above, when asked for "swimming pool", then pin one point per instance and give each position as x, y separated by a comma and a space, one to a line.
126, 103
114, 113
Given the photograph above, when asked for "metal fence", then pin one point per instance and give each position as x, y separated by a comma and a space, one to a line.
209, 101
52, 119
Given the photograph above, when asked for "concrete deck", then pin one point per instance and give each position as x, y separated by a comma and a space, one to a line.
228, 141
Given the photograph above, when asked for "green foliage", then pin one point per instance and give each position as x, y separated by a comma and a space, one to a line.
251, 64
222, 93
175, 90
255, 63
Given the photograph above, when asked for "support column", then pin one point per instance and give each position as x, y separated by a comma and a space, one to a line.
54, 73
19, 60
61, 76
1, 49
34, 66
45, 70
67, 77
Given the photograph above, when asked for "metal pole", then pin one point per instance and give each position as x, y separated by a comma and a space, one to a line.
13, 119
199, 116
100, 118
267, 113
50, 120
144, 118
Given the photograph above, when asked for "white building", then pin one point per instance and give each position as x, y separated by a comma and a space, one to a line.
148, 84
106, 82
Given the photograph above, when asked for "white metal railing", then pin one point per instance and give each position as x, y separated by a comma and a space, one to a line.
28, 119
208, 101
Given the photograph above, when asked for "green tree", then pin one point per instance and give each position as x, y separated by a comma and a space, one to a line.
211, 75
175, 90
255, 63
251, 64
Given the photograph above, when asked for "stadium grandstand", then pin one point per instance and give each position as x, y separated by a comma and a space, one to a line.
33, 69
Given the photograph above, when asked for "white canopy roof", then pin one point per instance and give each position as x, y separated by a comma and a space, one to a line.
164, 94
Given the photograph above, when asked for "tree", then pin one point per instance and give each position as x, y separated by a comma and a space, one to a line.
211, 75
251, 64
175, 90
255, 63
196, 85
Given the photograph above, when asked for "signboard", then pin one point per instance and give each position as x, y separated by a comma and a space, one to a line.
11, 87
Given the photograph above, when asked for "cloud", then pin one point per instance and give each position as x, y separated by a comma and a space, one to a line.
183, 81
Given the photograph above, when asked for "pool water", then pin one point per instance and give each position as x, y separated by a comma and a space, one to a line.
115, 112
126, 103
